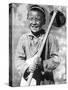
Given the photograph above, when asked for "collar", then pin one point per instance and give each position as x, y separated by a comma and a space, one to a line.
37, 34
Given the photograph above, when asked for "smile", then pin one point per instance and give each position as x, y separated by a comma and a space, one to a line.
34, 26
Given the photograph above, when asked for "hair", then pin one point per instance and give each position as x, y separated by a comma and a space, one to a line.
39, 9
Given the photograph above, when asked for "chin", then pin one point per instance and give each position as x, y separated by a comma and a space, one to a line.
35, 29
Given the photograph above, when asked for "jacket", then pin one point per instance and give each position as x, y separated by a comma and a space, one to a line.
28, 46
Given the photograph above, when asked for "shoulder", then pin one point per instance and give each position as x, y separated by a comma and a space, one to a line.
24, 37
51, 37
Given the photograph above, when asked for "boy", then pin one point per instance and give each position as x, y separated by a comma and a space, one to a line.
29, 44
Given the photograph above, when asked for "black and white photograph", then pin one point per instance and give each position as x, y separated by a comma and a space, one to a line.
37, 44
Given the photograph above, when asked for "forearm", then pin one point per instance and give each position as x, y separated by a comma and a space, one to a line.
54, 59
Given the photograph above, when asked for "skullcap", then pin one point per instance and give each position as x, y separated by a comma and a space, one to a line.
37, 7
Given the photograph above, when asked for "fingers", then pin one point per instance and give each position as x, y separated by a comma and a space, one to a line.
35, 64
32, 68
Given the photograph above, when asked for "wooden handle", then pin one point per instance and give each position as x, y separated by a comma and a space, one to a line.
30, 78
40, 51
47, 32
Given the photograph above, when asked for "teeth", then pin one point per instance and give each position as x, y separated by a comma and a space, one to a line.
34, 26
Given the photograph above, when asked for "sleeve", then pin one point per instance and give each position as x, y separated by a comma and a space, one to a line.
20, 57
54, 59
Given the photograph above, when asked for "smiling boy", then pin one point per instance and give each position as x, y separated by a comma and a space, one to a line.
29, 44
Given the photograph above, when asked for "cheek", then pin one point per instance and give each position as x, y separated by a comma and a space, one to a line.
39, 22
35, 22
30, 22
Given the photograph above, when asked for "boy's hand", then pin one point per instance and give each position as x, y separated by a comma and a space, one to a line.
34, 63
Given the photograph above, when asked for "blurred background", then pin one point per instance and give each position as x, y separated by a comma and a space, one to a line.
18, 25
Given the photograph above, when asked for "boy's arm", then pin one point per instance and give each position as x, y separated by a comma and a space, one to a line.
54, 60
20, 57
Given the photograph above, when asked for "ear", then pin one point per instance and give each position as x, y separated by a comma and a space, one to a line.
43, 21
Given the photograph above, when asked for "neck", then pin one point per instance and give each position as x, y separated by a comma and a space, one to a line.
38, 33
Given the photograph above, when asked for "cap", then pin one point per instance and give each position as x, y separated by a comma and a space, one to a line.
34, 7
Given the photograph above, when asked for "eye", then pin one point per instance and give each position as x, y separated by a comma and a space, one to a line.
37, 19
30, 18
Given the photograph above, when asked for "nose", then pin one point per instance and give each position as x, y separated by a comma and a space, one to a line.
34, 21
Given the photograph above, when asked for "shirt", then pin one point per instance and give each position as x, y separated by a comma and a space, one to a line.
28, 46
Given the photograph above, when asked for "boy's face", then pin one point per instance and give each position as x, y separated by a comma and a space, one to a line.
35, 20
